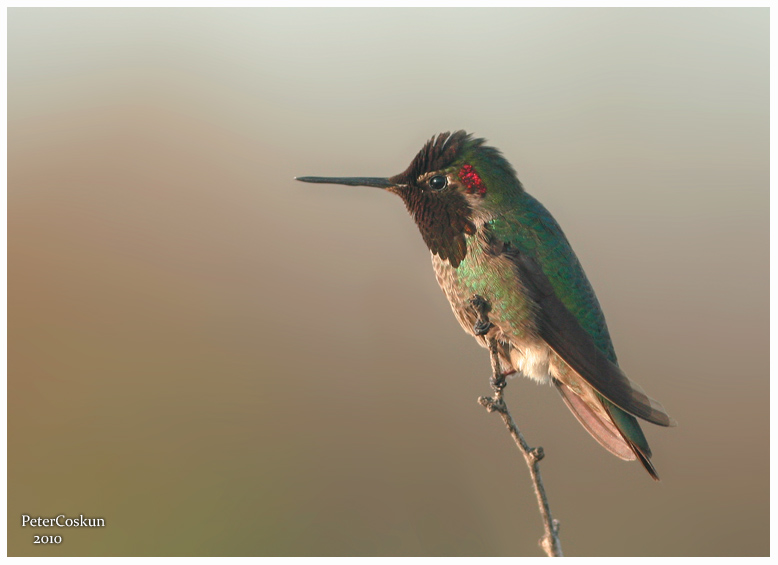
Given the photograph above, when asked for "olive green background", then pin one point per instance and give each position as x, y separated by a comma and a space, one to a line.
219, 360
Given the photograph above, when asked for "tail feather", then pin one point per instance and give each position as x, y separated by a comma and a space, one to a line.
646, 463
630, 430
615, 430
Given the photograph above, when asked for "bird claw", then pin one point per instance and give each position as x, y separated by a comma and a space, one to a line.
481, 308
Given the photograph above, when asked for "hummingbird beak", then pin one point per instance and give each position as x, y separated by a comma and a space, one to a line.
350, 181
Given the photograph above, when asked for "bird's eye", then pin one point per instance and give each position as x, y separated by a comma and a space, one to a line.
438, 182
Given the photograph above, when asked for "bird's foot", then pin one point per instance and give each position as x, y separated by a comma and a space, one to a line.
482, 327
481, 308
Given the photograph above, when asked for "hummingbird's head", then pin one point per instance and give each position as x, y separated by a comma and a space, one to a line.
452, 186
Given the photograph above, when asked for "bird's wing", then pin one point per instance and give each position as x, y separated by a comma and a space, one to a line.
575, 327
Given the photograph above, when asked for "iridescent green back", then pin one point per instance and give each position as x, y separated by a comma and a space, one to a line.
532, 230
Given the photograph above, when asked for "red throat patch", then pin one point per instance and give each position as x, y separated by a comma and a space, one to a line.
471, 180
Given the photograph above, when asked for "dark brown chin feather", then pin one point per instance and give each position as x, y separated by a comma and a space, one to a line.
443, 220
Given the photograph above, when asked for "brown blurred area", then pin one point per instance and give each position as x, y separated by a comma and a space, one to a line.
218, 360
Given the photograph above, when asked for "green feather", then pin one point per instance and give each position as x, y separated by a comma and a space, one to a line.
530, 227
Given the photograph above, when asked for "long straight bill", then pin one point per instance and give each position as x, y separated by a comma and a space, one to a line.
350, 181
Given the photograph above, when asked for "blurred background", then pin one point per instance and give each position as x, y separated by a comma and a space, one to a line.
219, 360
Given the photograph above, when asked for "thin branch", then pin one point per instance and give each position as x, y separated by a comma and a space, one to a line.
550, 541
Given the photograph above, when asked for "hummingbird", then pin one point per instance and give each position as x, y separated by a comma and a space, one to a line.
492, 242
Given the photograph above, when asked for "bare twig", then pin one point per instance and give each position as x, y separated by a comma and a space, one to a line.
550, 541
